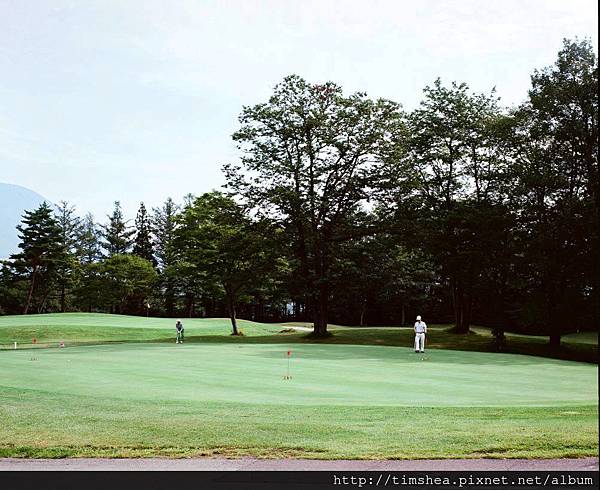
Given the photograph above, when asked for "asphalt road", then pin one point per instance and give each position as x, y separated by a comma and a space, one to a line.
250, 464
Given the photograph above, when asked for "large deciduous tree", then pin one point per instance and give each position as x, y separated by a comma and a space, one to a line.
453, 153
228, 250
311, 157
558, 193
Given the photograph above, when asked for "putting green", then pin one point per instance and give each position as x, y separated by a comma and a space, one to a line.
345, 375
122, 388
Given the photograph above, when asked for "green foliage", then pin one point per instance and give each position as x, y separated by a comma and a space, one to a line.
88, 241
310, 157
142, 242
116, 233
557, 191
127, 282
227, 251
42, 255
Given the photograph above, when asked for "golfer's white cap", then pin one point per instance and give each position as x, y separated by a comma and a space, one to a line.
418, 318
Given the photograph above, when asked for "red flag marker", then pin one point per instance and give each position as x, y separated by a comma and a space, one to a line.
289, 354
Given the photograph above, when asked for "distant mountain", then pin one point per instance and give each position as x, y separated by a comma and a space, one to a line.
14, 200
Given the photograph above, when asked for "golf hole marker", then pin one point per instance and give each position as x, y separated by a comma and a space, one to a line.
288, 355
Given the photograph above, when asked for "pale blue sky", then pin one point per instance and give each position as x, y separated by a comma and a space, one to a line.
137, 100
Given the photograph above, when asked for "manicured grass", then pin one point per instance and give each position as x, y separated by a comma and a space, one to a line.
142, 395
86, 328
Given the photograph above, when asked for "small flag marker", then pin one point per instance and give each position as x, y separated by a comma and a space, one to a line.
288, 376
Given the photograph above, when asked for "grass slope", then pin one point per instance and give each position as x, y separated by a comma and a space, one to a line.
92, 328
220, 395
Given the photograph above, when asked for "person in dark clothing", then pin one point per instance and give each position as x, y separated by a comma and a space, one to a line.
179, 328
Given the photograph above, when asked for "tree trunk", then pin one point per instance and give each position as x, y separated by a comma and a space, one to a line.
363, 310
461, 302
403, 317
555, 340
232, 314
190, 305
30, 294
169, 299
43, 302
321, 311
63, 295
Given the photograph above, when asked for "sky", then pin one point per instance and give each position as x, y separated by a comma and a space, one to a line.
136, 100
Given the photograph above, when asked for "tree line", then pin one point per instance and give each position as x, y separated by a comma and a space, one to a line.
352, 210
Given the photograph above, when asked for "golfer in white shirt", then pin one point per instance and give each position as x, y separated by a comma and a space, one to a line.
420, 331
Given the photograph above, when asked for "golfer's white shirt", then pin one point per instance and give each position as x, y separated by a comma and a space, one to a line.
420, 327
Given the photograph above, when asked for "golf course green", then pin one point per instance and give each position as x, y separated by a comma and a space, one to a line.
122, 387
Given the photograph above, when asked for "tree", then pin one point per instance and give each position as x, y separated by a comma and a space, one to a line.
42, 252
163, 223
458, 168
379, 279
116, 233
557, 187
227, 249
88, 241
127, 282
91, 292
142, 243
310, 158
67, 269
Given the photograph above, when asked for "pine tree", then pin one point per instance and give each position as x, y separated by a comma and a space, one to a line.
41, 253
117, 235
163, 222
88, 241
142, 244
69, 225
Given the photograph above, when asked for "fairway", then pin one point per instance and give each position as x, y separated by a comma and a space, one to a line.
226, 397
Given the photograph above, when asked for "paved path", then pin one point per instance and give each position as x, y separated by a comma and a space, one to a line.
250, 464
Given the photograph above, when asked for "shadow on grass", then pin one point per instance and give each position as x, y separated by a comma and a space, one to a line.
439, 339
401, 337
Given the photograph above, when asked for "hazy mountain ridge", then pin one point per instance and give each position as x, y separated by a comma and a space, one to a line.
14, 200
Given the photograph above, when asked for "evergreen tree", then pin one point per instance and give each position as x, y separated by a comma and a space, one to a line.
67, 270
88, 241
42, 252
116, 233
163, 222
142, 243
